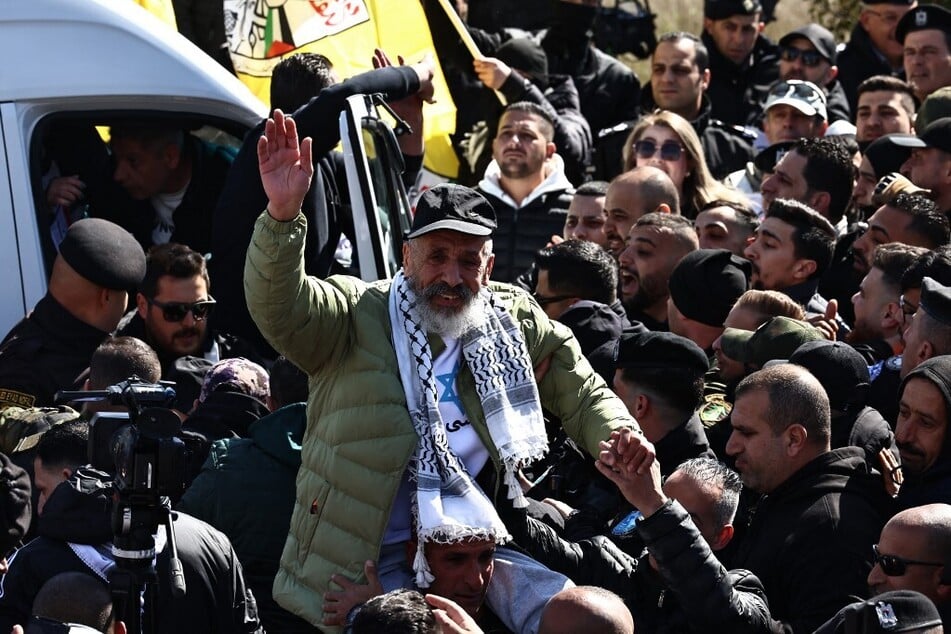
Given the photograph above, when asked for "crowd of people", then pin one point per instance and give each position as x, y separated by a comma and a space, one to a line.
671, 357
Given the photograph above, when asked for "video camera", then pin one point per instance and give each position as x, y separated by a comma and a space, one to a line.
626, 27
144, 451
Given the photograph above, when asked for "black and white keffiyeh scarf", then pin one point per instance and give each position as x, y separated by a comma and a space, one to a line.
448, 506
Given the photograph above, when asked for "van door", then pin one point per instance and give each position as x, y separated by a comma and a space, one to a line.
381, 210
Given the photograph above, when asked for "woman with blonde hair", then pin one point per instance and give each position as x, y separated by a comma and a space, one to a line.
667, 141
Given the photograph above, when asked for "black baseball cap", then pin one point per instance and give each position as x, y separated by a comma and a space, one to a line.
818, 36
924, 16
936, 135
936, 300
453, 207
707, 282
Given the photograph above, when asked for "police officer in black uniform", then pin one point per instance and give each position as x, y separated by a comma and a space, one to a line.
49, 349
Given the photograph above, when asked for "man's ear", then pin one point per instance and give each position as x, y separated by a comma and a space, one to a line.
550, 150
406, 254
662, 208
892, 319
795, 439
705, 79
707, 24
820, 202
802, 269
642, 406
831, 74
490, 263
142, 305
172, 156
723, 537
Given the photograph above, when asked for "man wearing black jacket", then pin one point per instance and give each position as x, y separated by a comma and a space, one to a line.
743, 62
811, 533
326, 205
676, 584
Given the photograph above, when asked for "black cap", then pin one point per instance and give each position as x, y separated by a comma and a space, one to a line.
454, 207
895, 611
885, 155
723, 9
527, 56
818, 36
840, 369
936, 135
706, 283
936, 300
766, 160
924, 16
104, 253
16, 500
647, 350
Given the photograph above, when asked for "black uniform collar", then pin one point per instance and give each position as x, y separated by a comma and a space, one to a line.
54, 319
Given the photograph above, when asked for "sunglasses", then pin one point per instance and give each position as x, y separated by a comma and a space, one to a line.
799, 89
550, 299
895, 566
176, 311
809, 58
669, 150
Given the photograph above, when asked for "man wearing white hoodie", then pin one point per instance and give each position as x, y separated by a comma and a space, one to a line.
527, 186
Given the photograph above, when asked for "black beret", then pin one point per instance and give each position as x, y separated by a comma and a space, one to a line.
936, 300
660, 350
15, 504
706, 283
104, 253
840, 369
925, 16
454, 207
891, 612
723, 9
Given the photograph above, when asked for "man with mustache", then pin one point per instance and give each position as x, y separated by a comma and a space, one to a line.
922, 433
655, 246
424, 400
172, 309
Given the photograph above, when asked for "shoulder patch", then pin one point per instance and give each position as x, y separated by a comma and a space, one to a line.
714, 409
12, 398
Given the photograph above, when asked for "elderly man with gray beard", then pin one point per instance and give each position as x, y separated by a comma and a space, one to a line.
423, 400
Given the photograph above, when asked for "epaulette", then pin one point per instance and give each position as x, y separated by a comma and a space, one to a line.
713, 409
738, 130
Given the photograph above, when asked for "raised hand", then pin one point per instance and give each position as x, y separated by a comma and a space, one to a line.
452, 618
491, 71
286, 166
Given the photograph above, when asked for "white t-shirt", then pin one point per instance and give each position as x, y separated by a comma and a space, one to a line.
462, 436
164, 206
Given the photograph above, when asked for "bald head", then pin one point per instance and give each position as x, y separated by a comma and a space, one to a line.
652, 187
586, 609
932, 522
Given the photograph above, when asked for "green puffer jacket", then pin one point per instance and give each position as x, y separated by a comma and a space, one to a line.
359, 437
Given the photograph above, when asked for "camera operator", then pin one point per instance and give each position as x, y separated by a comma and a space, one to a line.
75, 534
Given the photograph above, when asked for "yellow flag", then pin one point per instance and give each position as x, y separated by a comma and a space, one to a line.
262, 32
161, 9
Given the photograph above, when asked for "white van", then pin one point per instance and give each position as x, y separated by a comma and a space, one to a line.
95, 62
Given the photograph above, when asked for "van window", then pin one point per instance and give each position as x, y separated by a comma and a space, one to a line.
154, 173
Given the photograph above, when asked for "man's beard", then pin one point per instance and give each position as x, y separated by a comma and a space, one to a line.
444, 322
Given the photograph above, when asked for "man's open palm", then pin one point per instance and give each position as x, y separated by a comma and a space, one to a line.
285, 165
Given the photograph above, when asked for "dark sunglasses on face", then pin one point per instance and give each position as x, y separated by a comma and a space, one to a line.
669, 150
895, 566
176, 311
551, 299
800, 89
809, 58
